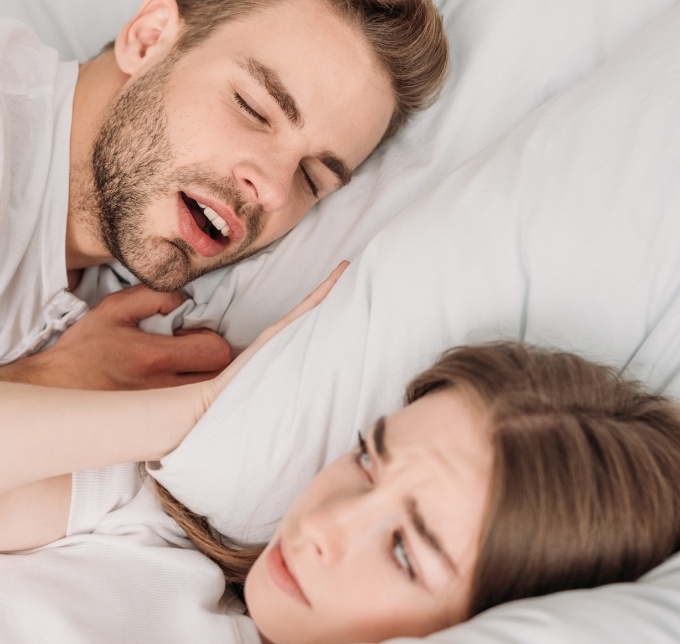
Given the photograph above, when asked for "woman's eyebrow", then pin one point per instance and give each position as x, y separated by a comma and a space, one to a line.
378, 437
429, 537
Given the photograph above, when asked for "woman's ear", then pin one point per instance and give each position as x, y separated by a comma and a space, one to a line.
149, 36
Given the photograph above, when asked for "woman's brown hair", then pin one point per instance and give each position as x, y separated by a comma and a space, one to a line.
585, 486
234, 559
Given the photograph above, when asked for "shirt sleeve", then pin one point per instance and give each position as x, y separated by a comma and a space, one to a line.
96, 493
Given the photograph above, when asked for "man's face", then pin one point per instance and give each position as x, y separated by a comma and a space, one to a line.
208, 157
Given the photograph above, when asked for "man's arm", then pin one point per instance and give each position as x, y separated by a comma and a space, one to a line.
107, 350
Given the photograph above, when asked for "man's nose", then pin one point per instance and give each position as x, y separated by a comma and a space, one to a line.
268, 182
336, 529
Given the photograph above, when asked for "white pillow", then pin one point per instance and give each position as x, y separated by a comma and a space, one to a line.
508, 58
563, 233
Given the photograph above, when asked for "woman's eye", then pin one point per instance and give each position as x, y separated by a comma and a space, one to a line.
312, 186
364, 457
249, 110
401, 555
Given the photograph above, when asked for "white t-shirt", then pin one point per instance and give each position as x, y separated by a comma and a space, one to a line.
36, 101
125, 573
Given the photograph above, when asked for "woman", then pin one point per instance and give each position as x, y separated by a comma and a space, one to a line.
511, 472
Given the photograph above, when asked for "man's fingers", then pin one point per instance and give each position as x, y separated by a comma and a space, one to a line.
168, 361
131, 305
146, 360
193, 351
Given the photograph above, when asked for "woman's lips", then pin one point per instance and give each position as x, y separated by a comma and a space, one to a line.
282, 576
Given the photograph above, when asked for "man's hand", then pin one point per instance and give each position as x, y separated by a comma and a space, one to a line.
107, 350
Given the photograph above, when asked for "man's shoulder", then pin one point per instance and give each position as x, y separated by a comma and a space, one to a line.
27, 66
36, 99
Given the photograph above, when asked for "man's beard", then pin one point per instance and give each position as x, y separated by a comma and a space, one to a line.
133, 163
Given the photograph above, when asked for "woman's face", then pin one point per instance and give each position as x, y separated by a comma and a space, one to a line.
384, 540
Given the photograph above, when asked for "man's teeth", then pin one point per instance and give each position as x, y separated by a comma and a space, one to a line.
215, 219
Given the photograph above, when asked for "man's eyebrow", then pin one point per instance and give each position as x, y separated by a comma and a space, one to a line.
429, 537
337, 166
272, 83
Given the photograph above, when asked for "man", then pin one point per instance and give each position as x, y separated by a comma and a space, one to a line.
205, 133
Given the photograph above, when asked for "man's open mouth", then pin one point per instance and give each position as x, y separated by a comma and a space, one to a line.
207, 219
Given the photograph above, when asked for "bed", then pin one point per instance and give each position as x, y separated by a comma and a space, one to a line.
538, 199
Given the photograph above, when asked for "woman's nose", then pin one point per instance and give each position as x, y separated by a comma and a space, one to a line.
266, 183
334, 530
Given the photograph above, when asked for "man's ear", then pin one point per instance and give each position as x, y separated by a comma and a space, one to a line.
149, 36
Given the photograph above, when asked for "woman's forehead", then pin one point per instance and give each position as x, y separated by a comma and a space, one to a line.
439, 457
445, 424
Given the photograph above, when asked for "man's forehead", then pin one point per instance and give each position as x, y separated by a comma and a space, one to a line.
272, 83
321, 72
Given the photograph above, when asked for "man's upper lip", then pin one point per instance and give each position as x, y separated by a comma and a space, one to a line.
236, 228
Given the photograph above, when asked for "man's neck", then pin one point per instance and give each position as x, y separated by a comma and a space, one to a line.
99, 80
74, 278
